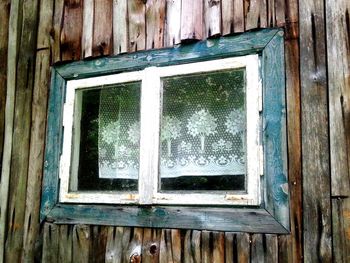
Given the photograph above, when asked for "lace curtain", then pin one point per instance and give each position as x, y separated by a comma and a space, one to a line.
202, 133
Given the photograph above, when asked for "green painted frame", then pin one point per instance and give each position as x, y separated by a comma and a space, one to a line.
272, 216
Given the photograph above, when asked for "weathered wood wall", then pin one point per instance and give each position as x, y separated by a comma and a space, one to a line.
36, 34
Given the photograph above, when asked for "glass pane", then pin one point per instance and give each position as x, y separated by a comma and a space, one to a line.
109, 138
203, 132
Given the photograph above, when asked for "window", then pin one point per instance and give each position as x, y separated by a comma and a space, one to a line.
207, 150
189, 137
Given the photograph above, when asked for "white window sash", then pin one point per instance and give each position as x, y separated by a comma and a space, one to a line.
151, 103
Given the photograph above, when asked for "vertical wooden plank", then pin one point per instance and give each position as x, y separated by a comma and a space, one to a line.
176, 245
169, 251
239, 17
290, 247
257, 14
57, 28
50, 244
71, 34
65, 244
155, 23
134, 248
88, 22
36, 154
38, 129
98, 244
4, 29
21, 131
212, 11
102, 34
117, 244
172, 23
271, 253
280, 12
258, 247
13, 43
315, 150
271, 13
264, 248
151, 245
341, 229
206, 253
120, 26
243, 247
114, 245
227, 8
192, 246
46, 14
137, 25
230, 247
338, 55
219, 247
81, 243
192, 20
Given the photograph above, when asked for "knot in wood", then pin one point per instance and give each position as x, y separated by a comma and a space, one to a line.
153, 249
135, 258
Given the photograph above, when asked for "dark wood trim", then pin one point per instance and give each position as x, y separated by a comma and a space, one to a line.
271, 217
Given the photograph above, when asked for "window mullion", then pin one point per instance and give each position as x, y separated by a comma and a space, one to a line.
149, 142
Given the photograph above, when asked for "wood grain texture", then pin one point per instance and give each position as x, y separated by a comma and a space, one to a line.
212, 17
50, 244
13, 40
239, 18
341, 229
256, 16
102, 33
170, 246
46, 14
53, 145
155, 23
71, 33
81, 243
98, 243
314, 123
237, 45
151, 245
120, 26
192, 246
243, 247
65, 241
21, 130
294, 242
230, 247
88, 27
192, 20
338, 59
114, 244
274, 126
137, 25
227, 8
36, 154
4, 38
4, 29
290, 247
56, 31
38, 129
172, 23
219, 247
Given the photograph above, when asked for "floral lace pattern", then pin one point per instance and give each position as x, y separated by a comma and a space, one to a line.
207, 137
203, 127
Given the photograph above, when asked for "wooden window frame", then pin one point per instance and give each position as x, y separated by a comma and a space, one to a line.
151, 90
269, 215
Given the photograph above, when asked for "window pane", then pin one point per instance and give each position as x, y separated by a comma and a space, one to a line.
109, 138
203, 132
